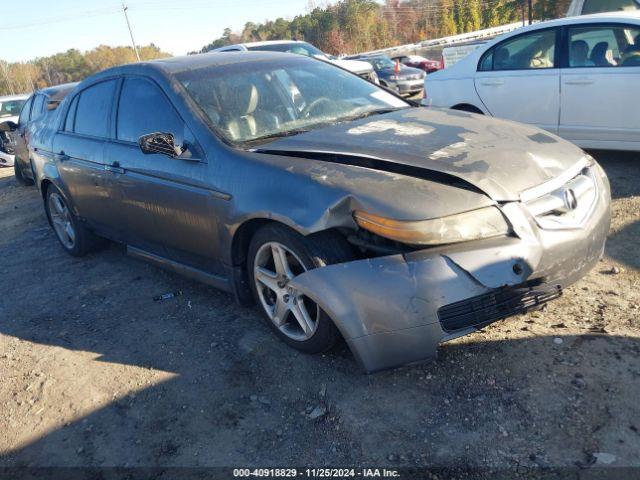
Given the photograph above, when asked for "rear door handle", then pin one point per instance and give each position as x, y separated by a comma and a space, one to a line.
579, 81
62, 157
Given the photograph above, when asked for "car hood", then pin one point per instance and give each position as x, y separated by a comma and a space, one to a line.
498, 157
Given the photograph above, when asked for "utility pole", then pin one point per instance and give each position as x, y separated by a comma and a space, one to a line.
530, 12
524, 13
133, 42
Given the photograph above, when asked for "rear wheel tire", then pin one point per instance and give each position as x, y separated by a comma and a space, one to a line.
76, 239
21, 179
278, 254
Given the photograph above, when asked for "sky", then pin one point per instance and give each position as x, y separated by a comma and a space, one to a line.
37, 28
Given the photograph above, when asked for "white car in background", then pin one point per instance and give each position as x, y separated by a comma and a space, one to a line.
10, 107
363, 69
576, 77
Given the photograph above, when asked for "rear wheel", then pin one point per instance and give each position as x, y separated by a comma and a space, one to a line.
17, 170
276, 256
74, 237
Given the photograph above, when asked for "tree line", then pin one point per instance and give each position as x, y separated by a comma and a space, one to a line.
70, 66
352, 26
347, 26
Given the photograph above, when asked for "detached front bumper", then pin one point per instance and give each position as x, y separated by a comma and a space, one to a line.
397, 309
6, 160
408, 87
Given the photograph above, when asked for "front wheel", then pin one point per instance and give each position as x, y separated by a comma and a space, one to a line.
276, 256
74, 237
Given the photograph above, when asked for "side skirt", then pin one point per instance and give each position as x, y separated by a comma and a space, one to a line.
216, 281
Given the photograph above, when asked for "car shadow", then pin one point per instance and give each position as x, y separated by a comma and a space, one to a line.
118, 379
115, 378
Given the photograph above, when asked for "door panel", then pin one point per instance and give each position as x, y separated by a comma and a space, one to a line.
527, 96
586, 115
599, 82
81, 168
165, 206
517, 79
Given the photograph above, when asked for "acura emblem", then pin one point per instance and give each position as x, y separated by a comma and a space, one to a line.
570, 200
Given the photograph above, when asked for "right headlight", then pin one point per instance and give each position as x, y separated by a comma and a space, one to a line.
482, 223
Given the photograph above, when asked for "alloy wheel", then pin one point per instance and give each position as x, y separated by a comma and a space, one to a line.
61, 220
294, 314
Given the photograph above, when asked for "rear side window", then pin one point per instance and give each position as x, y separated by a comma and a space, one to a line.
71, 115
92, 113
604, 46
143, 109
25, 112
529, 51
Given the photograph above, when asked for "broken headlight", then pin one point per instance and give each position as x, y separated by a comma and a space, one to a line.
474, 225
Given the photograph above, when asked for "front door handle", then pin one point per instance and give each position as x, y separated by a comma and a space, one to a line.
114, 168
492, 83
579, 81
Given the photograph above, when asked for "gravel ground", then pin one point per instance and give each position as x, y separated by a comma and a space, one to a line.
96, 373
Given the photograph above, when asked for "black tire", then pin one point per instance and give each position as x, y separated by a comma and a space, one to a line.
85, 240
21, 179
317, 250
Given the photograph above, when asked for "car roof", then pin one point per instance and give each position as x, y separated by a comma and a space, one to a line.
268, 42
58, 92
619, 16
173, 65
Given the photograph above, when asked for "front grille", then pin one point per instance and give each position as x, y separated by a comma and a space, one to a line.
485, 309
554, 211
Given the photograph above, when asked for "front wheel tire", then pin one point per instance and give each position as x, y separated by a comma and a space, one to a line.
277, 254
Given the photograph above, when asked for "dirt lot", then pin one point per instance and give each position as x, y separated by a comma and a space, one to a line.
96, 373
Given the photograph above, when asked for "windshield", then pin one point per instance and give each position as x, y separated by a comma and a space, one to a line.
382, 62
11, 108
255, 101
299, 48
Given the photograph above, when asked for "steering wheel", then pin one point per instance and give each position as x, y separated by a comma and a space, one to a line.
309, 108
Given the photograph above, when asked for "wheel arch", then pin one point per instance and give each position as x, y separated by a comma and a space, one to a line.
467, 107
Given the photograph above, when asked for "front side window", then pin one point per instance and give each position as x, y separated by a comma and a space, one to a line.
92, 112
529, 51
144, 109
25, 112
11, 108
254, 101
604, 46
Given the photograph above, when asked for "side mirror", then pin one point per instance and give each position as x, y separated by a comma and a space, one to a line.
8, 126
162, 143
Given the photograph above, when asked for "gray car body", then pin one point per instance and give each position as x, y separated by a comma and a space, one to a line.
197, 216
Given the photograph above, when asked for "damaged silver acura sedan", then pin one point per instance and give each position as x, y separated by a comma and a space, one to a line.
336, 206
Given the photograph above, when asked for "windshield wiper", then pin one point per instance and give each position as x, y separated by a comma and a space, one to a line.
285, 133
379, 111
